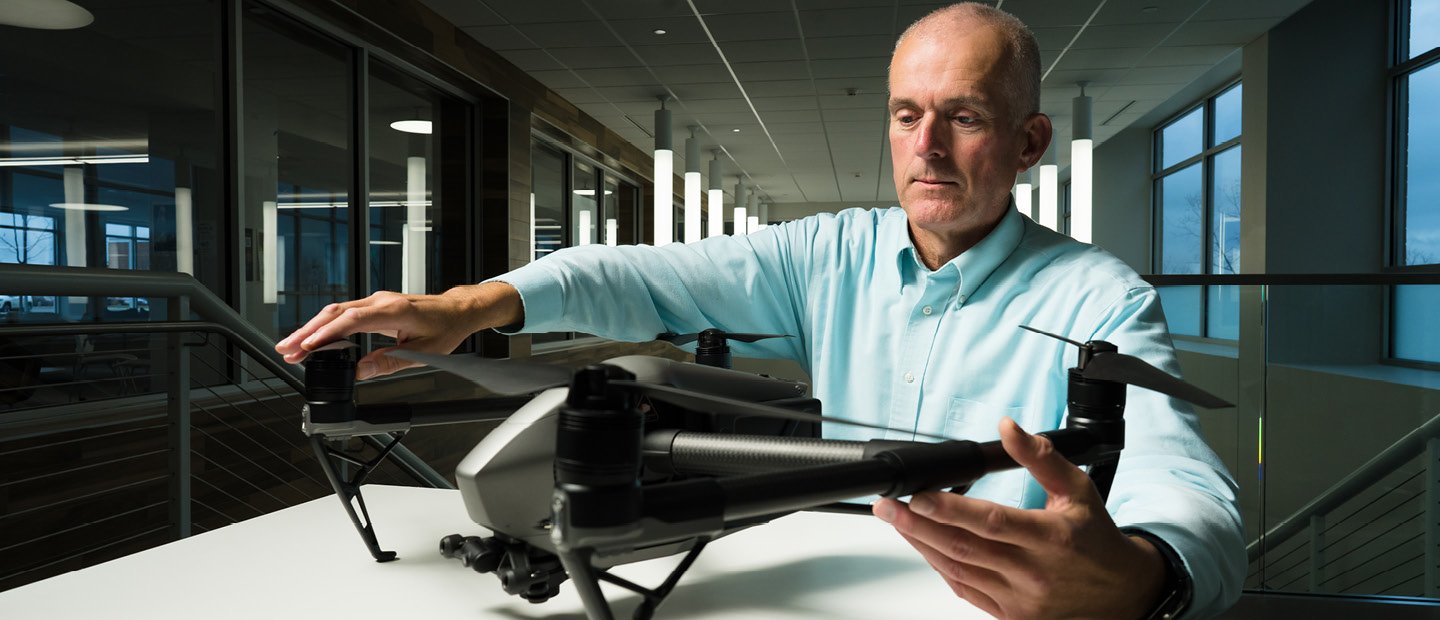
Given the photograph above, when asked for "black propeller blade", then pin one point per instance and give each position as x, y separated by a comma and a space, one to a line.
1132, 370
500, 376
711, 404
682, 339
514, 377
1099, 360
336, 346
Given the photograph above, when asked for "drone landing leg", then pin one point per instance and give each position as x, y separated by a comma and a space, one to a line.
1102, 473
654, 597
587, 584
349, 490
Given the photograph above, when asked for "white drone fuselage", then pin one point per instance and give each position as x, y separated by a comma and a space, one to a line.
508, 479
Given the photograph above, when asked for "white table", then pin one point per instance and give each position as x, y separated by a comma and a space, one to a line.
308, 562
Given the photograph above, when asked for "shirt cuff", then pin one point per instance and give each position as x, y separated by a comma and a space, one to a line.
541, 298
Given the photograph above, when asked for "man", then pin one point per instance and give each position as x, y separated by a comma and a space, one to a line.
909, 318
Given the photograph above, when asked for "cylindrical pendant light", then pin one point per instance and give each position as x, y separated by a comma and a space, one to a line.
752, 221
1049, 190
692, 188
741, 199
1082, 149
717, 197
1024, 193
664, 212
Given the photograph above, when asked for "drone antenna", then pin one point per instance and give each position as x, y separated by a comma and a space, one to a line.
1055, 336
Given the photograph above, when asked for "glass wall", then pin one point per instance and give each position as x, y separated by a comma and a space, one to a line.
298, 111
575, 201
112, 163
418, 186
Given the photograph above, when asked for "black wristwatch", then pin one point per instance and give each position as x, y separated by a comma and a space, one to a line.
1178, 589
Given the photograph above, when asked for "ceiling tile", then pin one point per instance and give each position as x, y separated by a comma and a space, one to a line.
752, 26
849, 47
533, 60
568, 34
1050, 14
677, 54
466, 12
1143, 36
595, 57
848, 22
693, 74
1171, 55
761, 51
1220, 32
500, 38
548, 11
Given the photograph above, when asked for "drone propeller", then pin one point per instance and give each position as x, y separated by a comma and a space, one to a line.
513, 377
506, 377
709, 403
338, 345
683, 339
1102, 361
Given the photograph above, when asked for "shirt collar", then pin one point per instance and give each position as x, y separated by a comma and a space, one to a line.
973, 266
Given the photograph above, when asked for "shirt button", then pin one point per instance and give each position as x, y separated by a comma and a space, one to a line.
909, 378
962, 299
926, 310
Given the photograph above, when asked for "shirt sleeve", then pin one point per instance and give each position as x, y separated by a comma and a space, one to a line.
1169, 482
753, 283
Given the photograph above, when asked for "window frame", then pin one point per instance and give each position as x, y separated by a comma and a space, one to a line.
1205, 158
1397, 124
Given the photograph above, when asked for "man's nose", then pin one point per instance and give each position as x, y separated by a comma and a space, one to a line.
931, 138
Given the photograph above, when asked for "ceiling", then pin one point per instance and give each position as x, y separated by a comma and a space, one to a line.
793, 92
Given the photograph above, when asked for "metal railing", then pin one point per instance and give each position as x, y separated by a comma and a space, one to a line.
152, 431
1375, 531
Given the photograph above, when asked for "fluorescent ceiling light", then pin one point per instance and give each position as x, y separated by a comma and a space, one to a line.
591, 192
74, 161
383, 242
45, 14
412, 126
85, 206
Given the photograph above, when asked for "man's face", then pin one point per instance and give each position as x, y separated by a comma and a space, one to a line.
954, 143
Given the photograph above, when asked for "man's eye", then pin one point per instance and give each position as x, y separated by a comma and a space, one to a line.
905, 119
964, 119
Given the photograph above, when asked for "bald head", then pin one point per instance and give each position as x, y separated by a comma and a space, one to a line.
1021, 86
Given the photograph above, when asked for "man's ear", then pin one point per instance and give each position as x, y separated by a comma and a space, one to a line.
1038, 132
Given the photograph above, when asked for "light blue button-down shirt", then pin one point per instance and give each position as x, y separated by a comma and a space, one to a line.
890, 342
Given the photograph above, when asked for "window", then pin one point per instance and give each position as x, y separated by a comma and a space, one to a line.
575, 201
113, 163
1415, 78
1197, 213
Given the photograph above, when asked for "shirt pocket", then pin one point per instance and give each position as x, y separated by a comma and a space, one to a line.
980, 422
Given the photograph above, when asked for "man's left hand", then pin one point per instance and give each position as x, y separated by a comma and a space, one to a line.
1067, 560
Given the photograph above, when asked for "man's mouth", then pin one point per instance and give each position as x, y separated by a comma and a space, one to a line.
933, 182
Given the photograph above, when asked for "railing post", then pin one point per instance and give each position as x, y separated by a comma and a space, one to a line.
1432, 517
1317, 552
177, 357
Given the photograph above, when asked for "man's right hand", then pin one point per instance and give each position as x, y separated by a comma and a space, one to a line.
429, 323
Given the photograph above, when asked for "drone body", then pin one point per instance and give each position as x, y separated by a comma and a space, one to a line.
624, 464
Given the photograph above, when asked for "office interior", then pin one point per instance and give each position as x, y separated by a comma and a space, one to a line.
1271, 167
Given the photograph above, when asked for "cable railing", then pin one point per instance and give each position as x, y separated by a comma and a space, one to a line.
117, 436
1345, 446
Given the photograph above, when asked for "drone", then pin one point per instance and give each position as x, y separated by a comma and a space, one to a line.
641, 457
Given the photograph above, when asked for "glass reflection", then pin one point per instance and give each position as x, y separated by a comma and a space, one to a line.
296, 227
111, 164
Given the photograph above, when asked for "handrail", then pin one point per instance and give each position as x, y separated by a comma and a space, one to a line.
1381, 465
280, 370
1295, 279
89, 281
